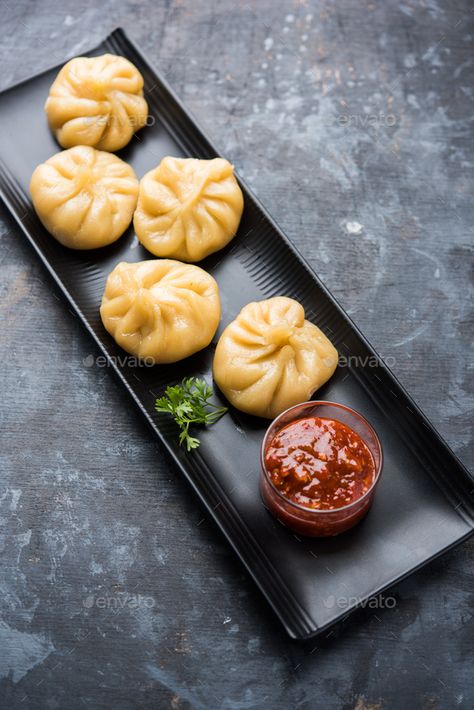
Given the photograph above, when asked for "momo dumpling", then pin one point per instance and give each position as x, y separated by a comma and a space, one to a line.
84, 197
160, 310
97, 101
188, 208
270, 358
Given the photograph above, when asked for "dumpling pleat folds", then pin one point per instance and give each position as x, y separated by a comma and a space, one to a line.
270, 358
161, 310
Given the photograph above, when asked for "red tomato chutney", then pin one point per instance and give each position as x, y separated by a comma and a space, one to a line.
320, 463
321, 471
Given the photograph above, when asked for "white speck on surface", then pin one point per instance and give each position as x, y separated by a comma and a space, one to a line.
409, 61
290, 18
286, 30
268, 44
69, 20
227, 620
436, 274
413, 101
354, 227
96, 568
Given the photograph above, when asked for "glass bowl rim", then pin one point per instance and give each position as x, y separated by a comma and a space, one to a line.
315, 511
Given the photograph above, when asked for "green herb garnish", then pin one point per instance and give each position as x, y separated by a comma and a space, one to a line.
188, 403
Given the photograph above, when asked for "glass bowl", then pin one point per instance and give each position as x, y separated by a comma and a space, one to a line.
310, 521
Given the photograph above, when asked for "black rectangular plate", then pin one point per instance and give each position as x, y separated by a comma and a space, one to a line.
424, 504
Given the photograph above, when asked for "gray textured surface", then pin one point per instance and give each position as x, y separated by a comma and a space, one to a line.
352, 121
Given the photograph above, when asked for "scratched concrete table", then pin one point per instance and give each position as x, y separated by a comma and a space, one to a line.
352, 120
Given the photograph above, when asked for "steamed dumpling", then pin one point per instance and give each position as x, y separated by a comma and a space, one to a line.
97, 101
161, 310
270, 358
84, 197
188, 208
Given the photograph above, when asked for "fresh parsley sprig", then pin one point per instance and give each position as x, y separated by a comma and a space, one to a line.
188, 403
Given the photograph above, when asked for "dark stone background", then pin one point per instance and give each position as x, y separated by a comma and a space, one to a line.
352, 121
